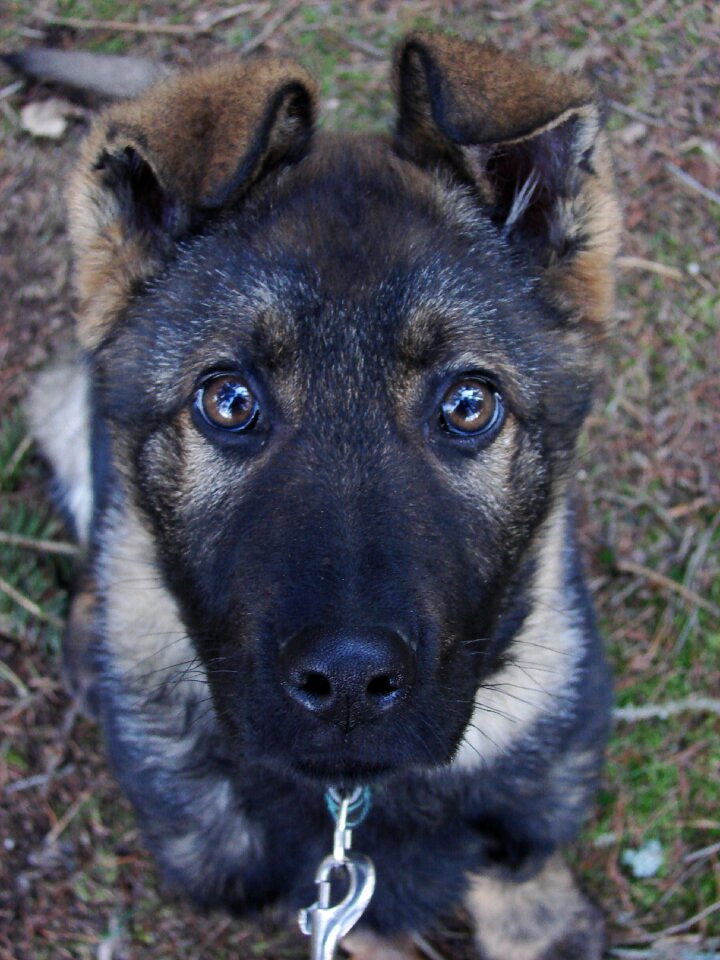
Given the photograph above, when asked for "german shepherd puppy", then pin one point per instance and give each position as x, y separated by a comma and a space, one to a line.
320, 448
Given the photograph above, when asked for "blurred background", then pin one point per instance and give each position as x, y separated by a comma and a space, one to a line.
74, 879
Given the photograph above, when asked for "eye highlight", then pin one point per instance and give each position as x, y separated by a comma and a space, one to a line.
471, 407
226, 401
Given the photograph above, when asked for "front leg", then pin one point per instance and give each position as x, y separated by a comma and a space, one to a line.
545, 918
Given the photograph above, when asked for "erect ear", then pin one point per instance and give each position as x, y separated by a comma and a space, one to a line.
154, 169
530, 142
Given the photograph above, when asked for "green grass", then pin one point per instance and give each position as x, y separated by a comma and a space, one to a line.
34, 574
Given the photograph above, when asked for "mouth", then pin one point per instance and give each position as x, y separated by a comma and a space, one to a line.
336, 772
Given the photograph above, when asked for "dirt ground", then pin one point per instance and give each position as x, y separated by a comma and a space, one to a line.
74, 879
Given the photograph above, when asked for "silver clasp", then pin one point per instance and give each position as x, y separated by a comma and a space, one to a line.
327, 924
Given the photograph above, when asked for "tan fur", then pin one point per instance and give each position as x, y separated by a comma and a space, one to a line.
196, 132
365, 945
489, 101
587, 286
490, 96
527, 921
146, 637
542, 659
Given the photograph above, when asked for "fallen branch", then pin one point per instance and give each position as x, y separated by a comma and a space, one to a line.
663, 711
660, 580
42, 546
167, 29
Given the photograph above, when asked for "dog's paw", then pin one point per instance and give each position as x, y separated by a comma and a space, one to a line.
365, 945
584, 940
543, 918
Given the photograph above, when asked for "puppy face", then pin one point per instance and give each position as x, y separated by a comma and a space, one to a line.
343, 413
343, 380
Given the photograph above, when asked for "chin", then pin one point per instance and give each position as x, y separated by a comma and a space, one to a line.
338, 772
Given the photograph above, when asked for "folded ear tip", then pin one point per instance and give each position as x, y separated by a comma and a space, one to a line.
155, 165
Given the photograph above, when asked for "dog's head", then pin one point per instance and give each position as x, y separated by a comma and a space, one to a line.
344, 378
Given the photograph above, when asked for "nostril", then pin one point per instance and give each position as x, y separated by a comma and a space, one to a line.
382, 686
316, 684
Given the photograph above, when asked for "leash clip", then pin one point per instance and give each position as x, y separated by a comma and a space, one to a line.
327, 924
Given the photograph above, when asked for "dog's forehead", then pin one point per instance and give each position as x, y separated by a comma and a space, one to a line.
356, 246
350, 267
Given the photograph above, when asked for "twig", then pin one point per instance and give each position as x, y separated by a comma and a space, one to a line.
43, 546
29, 605
12, 678
213, 20
521, 10
20, 451
39, 780
19, 706
662, 711
640, 263
11, 89
363, 46
684, 953
685, 925
69, 815
637, 114
125, 26
660, 580
693, 183
169, 29
270, 27
703, 853
683, 509
648, 11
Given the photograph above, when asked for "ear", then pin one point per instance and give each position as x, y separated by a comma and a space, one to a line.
155, 169
530, 143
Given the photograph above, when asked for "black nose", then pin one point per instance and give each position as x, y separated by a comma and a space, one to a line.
347, 677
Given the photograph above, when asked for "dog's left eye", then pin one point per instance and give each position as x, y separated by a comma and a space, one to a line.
471, 407
227, 401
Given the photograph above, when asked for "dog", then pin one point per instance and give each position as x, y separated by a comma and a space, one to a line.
319, 447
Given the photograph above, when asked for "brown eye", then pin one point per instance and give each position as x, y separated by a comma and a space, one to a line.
227, 401
471, 407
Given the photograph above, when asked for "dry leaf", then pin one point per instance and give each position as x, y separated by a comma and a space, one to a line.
48, 118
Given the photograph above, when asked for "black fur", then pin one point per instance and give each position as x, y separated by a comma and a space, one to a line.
347, 521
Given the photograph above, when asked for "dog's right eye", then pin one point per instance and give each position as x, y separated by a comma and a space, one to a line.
226, 401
